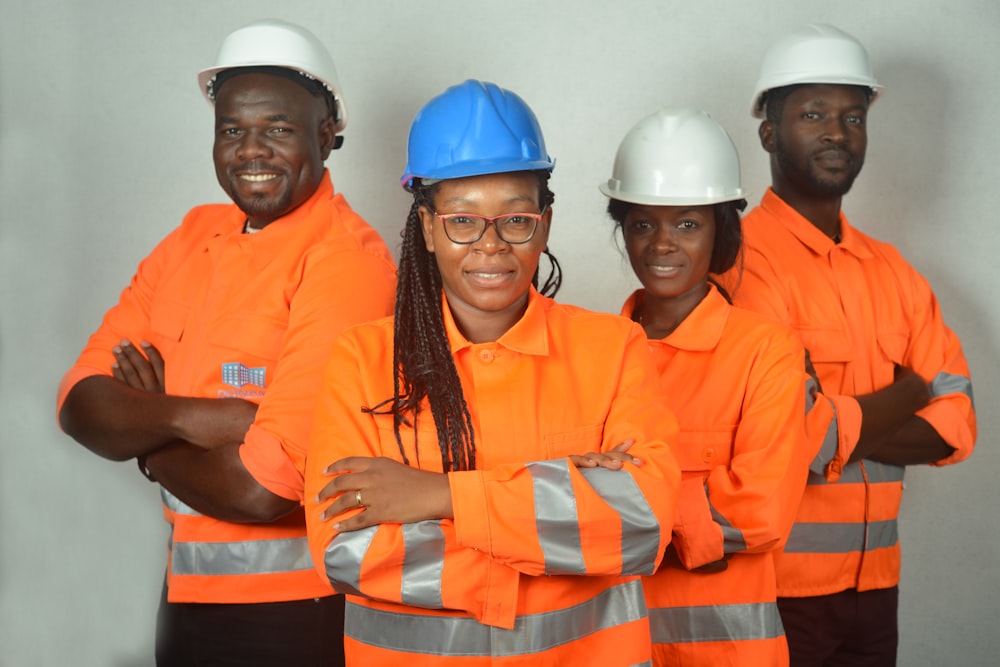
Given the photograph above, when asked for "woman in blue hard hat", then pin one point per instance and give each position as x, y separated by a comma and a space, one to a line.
737, 382
480, 444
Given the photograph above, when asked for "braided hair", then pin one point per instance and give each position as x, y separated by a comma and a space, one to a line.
423, 366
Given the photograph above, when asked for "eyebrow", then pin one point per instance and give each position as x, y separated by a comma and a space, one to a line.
512, 200
274, 118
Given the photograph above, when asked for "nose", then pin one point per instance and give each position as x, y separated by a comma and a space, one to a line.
253, 146
490, 242
664, 241
834, 129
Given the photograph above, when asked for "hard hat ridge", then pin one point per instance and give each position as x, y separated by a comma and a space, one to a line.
675, 157
277, 43
816, 53
471, 129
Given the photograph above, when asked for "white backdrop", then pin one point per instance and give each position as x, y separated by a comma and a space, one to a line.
105, 142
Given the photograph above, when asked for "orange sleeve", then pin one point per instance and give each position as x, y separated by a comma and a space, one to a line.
129, 318
336, 291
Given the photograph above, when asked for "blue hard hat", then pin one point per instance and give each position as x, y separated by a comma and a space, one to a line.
471, 129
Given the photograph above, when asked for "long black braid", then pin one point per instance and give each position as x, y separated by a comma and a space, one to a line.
422, 359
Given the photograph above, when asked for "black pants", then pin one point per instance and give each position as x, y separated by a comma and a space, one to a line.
275, 634
846, 629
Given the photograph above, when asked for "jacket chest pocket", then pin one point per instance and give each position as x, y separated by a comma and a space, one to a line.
258, 339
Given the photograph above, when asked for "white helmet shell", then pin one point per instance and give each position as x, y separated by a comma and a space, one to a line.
675, 157
276, 43
816, 53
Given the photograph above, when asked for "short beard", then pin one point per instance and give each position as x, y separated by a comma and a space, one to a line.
263, 208
813, 184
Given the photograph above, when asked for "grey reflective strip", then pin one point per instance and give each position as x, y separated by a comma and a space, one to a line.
343, 559
174, 504
249, 557
946, 383
640, 527
725, 622
423, 564
878, 473
464, 636
555, 517
732, 537
841, 538
826, 451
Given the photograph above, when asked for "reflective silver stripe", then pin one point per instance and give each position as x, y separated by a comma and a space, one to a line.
423, 564
555, 517
464, 636
827, 451
841, 538
174, 504
726, 622
640, 527
878, 473
343, 559
947, 383
732, 537
249, 557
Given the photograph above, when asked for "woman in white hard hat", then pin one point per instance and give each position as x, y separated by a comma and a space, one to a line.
736, 381
476, 435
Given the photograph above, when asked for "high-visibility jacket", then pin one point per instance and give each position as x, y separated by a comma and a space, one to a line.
536, 567
737, 383
249, 316
860, 310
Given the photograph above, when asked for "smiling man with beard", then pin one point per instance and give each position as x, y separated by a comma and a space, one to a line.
207, 368
893, 386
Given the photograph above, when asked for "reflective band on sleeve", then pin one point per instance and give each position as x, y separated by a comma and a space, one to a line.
725, 622
249, 557
174, 504
464, 636
841, 538
878, 473
555, 517
946, 383
423, 564
343, 559
827, 450
640, 528
732, 537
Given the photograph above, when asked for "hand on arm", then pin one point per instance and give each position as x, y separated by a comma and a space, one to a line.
890, 411
390, 492
613, 459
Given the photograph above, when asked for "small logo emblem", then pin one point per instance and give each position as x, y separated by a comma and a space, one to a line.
237, 375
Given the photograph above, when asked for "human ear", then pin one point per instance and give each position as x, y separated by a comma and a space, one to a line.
327, 137
427, 226
766, 134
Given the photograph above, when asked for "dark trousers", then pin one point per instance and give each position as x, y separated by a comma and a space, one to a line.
275, 634
846, 629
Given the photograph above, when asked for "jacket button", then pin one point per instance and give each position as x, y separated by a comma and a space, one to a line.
486, 356
707, 454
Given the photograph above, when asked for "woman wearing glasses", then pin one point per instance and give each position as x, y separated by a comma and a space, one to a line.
500, 462
736, 381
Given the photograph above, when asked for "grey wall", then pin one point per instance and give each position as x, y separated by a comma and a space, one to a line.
105, 143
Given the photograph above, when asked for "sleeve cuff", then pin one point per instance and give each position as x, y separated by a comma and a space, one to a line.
696, 536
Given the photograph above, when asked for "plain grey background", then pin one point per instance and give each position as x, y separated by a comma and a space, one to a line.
105, 142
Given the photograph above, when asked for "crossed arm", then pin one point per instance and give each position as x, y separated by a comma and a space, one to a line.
191, 445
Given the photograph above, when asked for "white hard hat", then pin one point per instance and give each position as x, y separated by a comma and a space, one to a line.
276, 43
675, 157
817, 53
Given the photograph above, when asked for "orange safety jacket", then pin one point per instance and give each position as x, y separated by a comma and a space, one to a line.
737, 382
249, 316
860, 310
537, 565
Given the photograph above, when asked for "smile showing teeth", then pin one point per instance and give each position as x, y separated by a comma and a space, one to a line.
257, 178
486, 276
